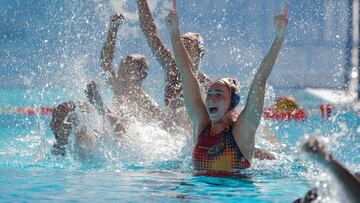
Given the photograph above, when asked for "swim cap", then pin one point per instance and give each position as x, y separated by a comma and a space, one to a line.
234, 89
286, 104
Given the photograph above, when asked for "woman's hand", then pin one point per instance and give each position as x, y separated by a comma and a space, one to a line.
172, 21
281, 22
116, 20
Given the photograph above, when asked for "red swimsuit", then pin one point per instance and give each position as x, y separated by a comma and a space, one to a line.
217, 154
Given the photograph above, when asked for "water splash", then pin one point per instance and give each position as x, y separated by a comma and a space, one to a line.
106, 8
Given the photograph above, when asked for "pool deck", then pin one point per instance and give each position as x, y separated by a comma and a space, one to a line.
334, 96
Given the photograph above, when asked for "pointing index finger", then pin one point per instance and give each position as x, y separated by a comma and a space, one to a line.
174, 5
285, 11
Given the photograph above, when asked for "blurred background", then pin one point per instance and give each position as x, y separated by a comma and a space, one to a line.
56, 44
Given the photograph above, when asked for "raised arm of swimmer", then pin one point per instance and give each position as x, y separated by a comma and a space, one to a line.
163, 54
249, 119
108, 50
148, 27
192, 96
160, 52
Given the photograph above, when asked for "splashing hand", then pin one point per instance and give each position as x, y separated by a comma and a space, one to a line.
315, 147
60, 113
92, 92
172, 21
60, 122
281, 21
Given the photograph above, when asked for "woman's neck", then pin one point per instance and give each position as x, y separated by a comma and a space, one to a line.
225, 122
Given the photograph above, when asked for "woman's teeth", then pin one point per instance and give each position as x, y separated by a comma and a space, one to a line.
214, 110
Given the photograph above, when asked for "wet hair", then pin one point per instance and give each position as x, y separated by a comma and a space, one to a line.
195, 38
310, 196
234, 89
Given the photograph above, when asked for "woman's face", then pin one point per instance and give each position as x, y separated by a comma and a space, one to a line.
217, 101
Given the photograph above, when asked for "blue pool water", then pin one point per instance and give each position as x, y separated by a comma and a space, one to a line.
159, 170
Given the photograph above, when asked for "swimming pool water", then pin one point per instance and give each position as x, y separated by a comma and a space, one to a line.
28, 172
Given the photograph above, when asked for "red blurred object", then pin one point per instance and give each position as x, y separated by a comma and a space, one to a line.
33, 111
298, 115
325, 109
328, 110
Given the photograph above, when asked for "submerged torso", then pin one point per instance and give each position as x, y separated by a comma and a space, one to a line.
217, 152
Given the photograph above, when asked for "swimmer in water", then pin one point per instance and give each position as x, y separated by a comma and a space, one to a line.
127, 84
64, 118
286, 104
127, 90
286, 108
309, 197
225, 140
194, 46
351, 183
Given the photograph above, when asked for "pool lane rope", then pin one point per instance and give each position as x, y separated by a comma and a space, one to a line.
44, 111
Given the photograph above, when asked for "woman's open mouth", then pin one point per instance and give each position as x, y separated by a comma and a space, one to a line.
213, 110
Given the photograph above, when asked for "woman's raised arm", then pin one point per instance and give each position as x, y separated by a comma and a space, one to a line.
192, 96
108, 50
